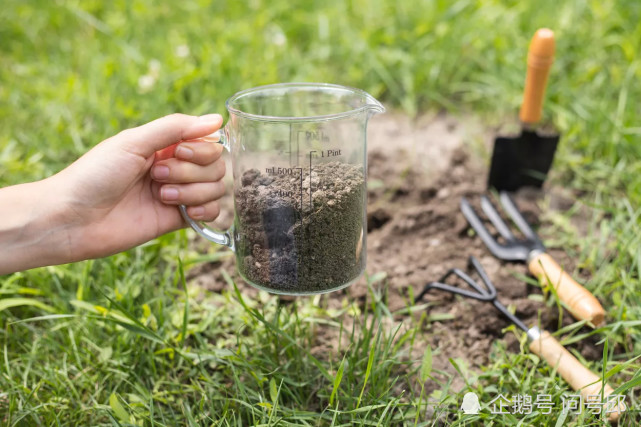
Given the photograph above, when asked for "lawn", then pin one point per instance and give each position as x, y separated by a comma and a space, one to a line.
127, 340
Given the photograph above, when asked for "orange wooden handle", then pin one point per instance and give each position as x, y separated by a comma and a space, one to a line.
573, 372
581, 303
539, 60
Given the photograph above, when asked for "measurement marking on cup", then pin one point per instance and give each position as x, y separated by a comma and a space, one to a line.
330, 153
301, 201
290, 144
280, 171
307, 249
311, 206
283, 193
301, 194
312, 136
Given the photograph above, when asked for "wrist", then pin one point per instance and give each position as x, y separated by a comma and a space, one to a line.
37, 227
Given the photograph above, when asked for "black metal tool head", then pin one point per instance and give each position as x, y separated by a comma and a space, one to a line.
512, 249
482, 292
522, 161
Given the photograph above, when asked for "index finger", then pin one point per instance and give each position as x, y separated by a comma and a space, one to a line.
199, 152
162, 133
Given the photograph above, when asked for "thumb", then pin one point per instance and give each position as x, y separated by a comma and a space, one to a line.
145, 140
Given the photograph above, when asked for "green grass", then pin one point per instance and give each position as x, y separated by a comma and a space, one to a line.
120, 340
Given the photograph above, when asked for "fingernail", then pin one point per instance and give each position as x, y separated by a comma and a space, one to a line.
169, 194
197, 212
210, 118
212, 137
160, 172
184, 152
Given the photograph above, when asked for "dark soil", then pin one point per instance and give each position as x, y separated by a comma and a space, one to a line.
416, 233
299, 231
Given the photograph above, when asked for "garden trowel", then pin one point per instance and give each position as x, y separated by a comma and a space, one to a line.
525, 160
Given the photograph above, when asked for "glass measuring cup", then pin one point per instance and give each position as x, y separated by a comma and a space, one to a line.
299, 161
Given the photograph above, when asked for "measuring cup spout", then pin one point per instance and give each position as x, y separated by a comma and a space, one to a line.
374, 106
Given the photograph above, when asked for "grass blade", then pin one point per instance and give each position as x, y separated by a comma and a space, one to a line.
183, 333
426, 365
368, 371
337, 380
118, 409
6, 303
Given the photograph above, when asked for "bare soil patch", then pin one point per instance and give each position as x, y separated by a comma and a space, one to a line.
418, 171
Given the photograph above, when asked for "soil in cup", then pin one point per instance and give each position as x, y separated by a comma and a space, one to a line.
301, 230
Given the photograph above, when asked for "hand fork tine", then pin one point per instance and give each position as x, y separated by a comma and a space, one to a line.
495, 218
475, 221
490, 292
517, 217
474, 263
480, 293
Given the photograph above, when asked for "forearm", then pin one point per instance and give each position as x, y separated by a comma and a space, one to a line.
35, 229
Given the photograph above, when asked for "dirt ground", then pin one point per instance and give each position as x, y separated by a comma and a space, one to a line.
418, 171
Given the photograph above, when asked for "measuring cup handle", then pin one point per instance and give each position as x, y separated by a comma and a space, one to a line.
224, 237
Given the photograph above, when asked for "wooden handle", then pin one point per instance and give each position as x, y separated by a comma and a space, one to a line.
573, 372
539, 60
581, 303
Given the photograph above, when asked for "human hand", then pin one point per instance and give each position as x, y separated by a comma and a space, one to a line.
125, 190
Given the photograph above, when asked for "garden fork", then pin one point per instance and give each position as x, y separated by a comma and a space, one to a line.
579, 301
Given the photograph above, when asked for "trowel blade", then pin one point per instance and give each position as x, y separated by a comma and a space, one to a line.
522, 161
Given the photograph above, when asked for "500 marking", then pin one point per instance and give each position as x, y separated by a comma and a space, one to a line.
283, 171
